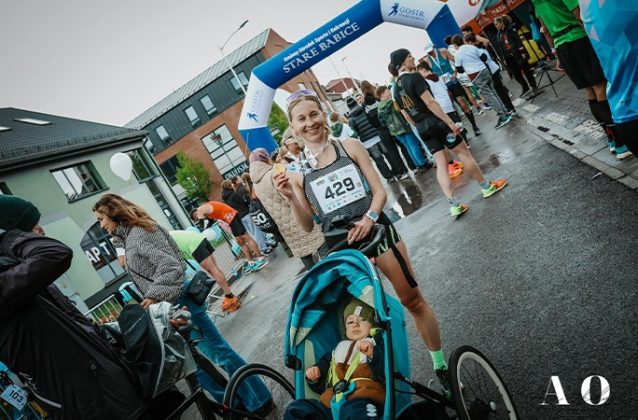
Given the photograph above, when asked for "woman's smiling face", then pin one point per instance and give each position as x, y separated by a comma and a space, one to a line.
308, 121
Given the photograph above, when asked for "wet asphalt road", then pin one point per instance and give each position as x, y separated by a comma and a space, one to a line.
541, 277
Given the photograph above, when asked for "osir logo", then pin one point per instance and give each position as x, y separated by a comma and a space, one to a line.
406, 12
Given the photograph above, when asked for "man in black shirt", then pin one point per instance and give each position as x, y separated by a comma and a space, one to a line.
437, 130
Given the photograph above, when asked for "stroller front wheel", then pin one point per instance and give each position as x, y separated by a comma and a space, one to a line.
478, 390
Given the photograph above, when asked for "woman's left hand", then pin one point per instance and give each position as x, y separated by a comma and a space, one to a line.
147, 302
360, 230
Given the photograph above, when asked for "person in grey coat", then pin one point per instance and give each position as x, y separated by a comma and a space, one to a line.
152, 257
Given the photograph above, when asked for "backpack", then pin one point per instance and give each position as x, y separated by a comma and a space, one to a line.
158, 354
262, 218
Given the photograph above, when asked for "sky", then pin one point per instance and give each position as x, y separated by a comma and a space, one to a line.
109, 61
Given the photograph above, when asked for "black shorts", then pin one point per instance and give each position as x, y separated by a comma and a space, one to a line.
581, 63
434, 133
237, 227
456, 89
203, 251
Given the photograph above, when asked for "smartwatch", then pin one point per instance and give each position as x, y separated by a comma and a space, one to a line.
372, 215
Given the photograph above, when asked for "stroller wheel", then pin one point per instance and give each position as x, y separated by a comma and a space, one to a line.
478, 390
260, 379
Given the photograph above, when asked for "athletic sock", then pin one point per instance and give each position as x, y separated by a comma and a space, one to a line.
608, 123
454, 202
470, 117
485, 184
595, 110
438, 360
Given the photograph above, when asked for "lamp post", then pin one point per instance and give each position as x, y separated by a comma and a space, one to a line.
343, 61
221, 49
339, 76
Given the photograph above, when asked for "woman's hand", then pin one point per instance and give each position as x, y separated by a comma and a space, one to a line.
147, 302
283, 185
313, 373
455, 128
360, 230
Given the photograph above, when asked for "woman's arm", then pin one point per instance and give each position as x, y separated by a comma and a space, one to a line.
41, 260
360, 155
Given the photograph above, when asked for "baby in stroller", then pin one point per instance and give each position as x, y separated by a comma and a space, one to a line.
351, 378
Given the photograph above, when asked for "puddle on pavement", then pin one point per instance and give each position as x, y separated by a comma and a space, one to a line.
403, 200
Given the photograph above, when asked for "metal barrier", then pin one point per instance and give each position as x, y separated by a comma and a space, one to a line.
106, 311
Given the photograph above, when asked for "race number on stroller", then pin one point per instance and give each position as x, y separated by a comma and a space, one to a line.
338, 189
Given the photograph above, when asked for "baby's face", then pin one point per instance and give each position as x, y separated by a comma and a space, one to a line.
357, 327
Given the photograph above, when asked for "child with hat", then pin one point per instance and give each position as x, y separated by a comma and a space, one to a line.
352, 376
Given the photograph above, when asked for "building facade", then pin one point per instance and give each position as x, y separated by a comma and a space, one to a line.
201, 118
62, 166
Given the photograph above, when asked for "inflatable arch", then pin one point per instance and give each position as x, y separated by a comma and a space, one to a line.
432, 15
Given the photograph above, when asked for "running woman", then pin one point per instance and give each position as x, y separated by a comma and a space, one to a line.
343, 182
412, 94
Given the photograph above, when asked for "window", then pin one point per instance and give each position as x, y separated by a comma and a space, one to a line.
163, 134
148, 144
33, 121
142, 169
208, 104
3, 128
192, 116
79, 181
4, 190
228, 157
169, 168
302, 86
98, 247
242, 78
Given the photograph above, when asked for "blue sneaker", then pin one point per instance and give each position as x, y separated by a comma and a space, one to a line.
623, 152
256, 265
612, 146
504, 120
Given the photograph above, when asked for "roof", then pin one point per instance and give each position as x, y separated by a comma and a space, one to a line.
27, 144
198, 82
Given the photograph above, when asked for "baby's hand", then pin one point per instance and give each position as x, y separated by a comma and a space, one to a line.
313, 373
366, 347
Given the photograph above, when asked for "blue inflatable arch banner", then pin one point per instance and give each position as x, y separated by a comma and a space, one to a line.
432, 15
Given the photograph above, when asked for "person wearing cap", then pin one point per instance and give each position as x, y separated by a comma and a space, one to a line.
363, 356
301, 244
414, 97
44, 338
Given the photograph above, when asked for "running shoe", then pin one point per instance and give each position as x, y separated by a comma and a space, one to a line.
256, 265
504, 120
495, 186
623, 152
456, 211
487, 107
612, 146
230, 304
477, 132
404, 176
454, 171
480, 111
444, 380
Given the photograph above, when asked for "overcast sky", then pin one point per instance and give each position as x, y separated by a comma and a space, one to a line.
109, 61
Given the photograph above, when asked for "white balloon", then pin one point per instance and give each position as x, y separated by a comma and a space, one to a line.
212, 234
122, 166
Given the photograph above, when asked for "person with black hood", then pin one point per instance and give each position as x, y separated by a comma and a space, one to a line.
369, 136
71, 371
514, 52
389, 143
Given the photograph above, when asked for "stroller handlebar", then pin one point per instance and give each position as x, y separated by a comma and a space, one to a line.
367, 247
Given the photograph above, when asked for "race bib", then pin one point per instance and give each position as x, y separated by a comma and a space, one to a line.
15, 396
446, 77
338, 189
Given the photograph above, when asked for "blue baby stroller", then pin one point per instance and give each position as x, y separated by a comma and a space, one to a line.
315, 327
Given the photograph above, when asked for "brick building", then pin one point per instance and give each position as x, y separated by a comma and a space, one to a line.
201, 117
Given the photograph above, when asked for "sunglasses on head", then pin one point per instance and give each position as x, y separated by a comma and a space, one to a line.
299, 94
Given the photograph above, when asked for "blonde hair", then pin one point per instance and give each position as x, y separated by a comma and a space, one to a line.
124, 212
316, 101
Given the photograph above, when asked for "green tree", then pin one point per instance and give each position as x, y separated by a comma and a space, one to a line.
277, 122
193, 177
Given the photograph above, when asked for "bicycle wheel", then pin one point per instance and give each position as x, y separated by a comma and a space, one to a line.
280, 388
478, 390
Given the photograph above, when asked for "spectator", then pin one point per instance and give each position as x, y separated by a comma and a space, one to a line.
153, 260
303, 245
339, 126
513, 52
608, 23
564, 30
39, 326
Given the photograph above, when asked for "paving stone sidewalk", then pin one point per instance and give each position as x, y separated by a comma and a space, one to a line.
566, 122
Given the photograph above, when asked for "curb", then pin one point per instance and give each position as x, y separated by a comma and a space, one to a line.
567, 146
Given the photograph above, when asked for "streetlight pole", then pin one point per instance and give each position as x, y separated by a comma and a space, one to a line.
339, 76
221, 49
350, 74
